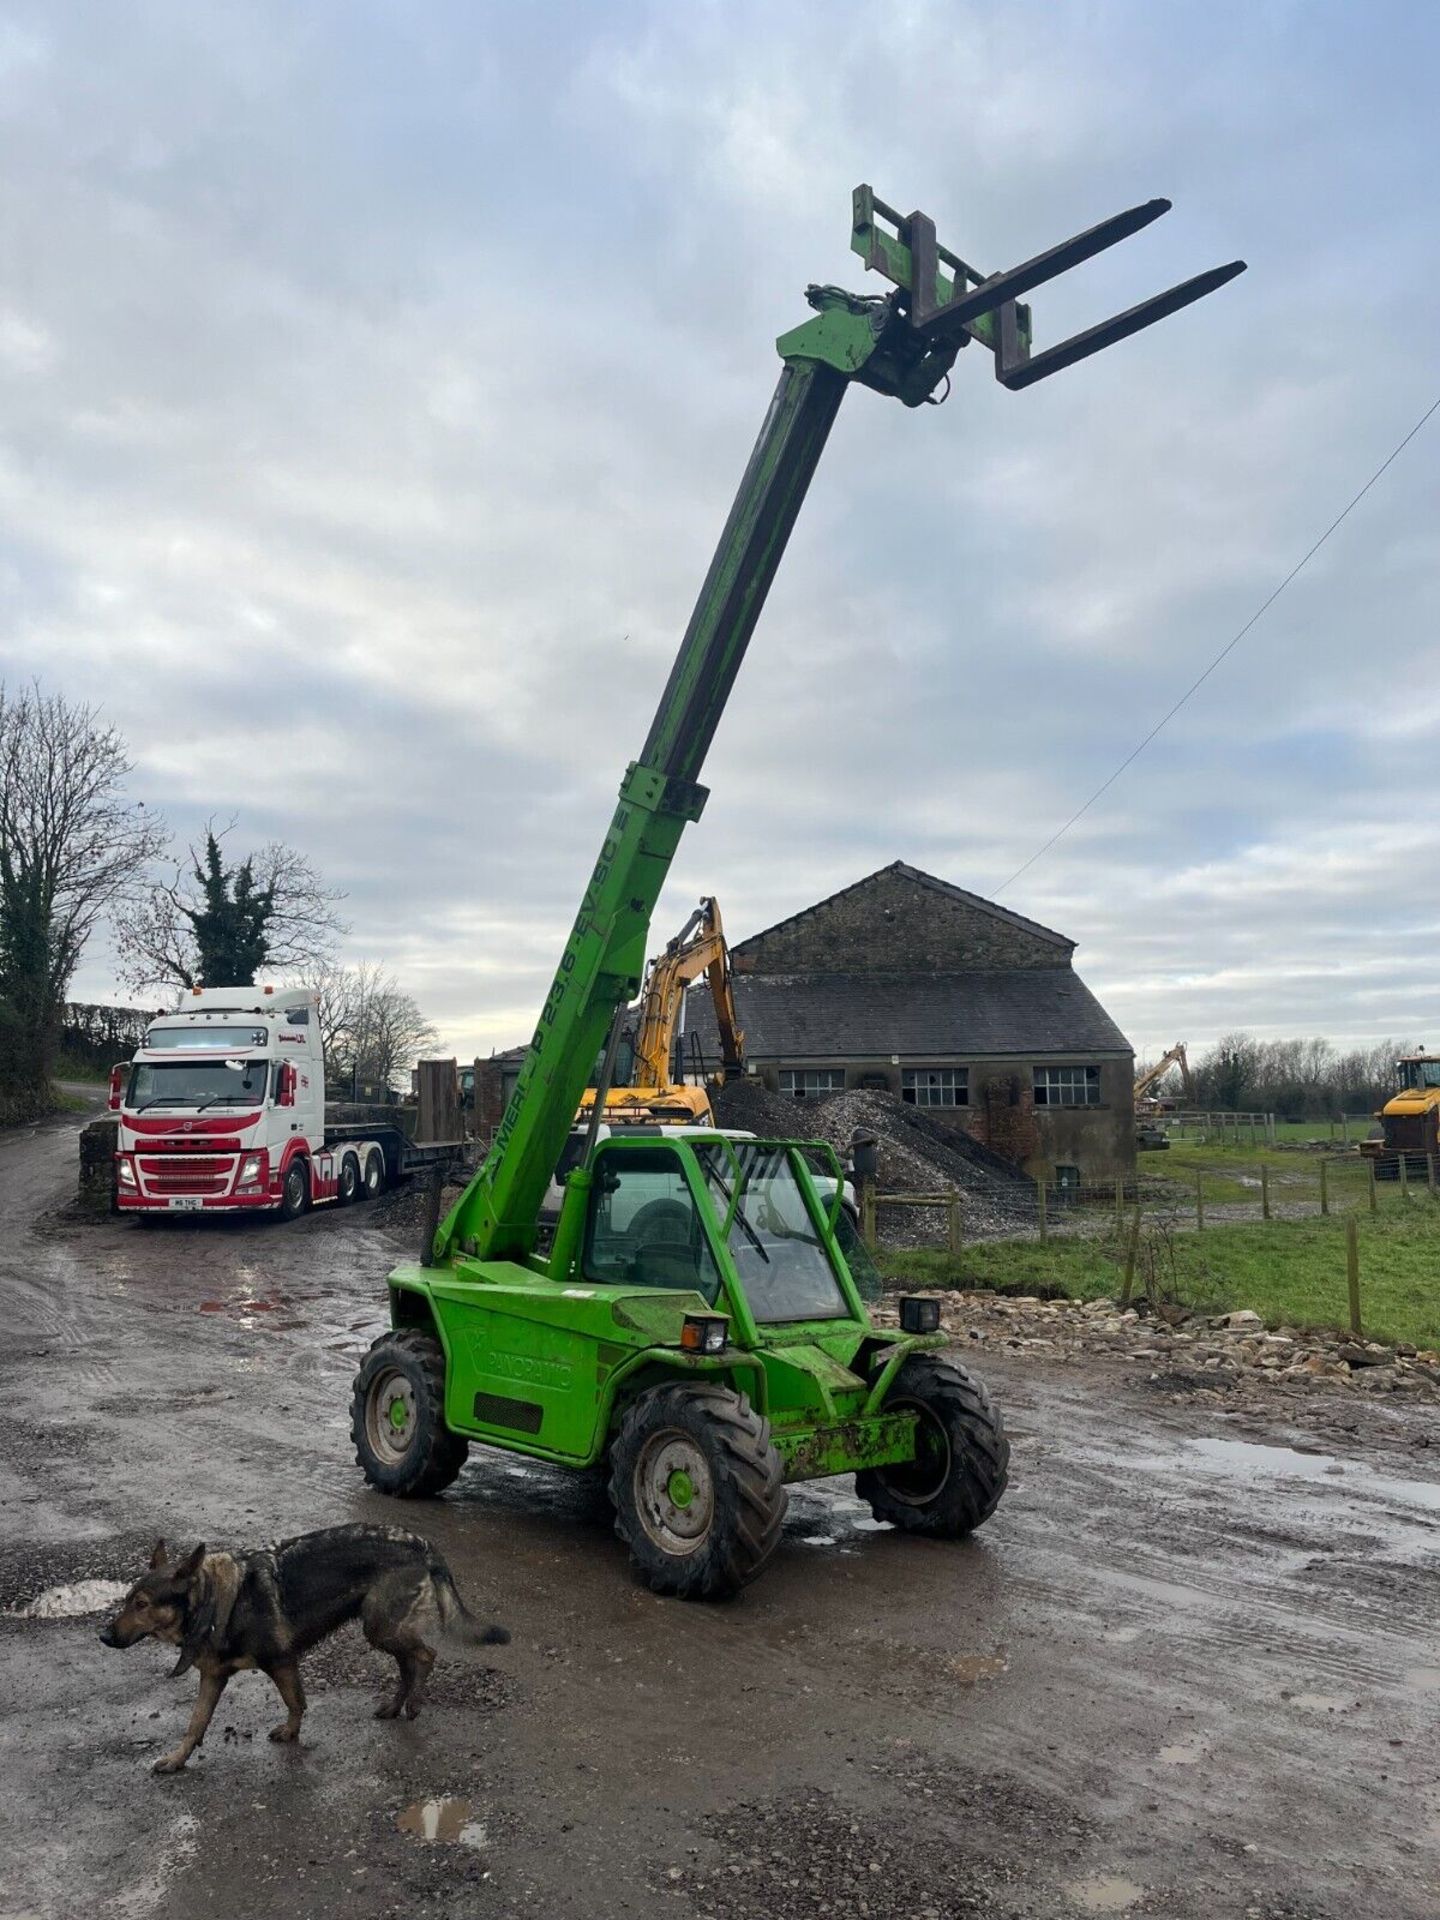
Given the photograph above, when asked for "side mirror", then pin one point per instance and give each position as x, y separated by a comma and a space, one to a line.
117, 1088
285, 1092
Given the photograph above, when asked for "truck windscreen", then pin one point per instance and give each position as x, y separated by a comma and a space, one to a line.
197, 1083
238, 1039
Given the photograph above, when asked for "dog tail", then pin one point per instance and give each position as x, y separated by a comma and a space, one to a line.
456, 1618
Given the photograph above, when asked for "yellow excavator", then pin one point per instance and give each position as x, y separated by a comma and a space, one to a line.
652, 1093
1145, 1102
1409, 1119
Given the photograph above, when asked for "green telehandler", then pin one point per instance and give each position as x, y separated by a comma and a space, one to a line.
694, 1328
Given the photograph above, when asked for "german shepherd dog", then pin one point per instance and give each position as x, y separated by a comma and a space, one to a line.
228, 1612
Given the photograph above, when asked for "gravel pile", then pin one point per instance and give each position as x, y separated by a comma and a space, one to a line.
1209, 1354
916, 1154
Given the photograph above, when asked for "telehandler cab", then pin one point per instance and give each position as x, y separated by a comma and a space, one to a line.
694, 1326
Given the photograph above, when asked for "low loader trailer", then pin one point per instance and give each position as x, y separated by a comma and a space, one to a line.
694, 1327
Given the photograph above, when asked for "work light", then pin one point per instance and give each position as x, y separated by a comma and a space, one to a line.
919, 1316
702, 1333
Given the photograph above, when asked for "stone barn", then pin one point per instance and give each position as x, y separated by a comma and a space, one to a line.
907, 984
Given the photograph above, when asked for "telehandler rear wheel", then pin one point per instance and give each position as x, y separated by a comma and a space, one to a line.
699, 1490
397, 1417
962, 1457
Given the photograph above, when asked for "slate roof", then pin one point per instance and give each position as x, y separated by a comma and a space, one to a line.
1030, 1011
920, 878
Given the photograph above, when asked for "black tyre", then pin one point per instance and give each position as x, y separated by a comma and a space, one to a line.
962, 1457
295, 1195
348, 1186
397, 1417
374, 1176
699, 1490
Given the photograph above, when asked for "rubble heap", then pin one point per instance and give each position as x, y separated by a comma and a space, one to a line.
1208, 1353
916, 1155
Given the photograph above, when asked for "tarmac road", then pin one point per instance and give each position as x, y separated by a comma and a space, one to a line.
1185, 1671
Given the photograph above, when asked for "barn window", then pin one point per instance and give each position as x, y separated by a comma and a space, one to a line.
812, 1083
1067, 1086
935, 1086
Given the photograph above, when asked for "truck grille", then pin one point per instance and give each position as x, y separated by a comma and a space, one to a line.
174, 1175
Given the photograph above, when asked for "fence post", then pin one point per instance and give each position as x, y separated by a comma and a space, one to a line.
1404, 1159
867, 1214
1344, 1129
953, 1222
1270, 1128
1199, 1203
1374, 1192
1119, 1204
1324, 1189
1040, 1206
1130, 1256
1264, 1191
1430, 1172
1352, 1271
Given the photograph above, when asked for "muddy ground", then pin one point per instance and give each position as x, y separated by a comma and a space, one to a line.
1191, 1668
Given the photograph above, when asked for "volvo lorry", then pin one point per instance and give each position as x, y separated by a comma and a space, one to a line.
222, 1110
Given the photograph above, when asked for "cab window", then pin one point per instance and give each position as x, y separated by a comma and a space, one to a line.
644, 1229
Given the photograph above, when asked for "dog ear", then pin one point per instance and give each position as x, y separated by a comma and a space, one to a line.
188, 1568
158, 1554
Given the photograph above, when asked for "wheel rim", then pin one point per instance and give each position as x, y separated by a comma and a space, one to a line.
295, 1187
916, 1482
390, 1416
674, 1492
349, 1179
372, 1174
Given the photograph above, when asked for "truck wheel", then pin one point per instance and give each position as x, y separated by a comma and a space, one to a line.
349, 1183
295, 1197
374, 1173
397, 1417
962, 1457
698, 1489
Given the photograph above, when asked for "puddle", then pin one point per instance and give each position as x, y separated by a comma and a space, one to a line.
451, 1820
1319, 1702
1183, 1753
1251, 1460
1423, 1679
967, 1668
1104, 1893
72, 1602
1122, 1636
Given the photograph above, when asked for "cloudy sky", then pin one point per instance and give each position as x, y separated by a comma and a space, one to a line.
375, 378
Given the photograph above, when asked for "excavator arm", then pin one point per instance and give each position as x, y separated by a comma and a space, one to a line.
698, 948
901, 345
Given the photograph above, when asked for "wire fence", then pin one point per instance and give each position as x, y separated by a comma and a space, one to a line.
1194, 1197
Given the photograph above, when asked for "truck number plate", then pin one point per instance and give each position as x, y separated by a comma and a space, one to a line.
187, 1203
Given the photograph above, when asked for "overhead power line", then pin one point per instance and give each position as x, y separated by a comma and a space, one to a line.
1227, 649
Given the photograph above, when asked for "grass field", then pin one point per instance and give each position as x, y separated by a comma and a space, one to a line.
1291, 1272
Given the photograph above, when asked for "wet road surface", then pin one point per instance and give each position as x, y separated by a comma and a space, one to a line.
1189, 1669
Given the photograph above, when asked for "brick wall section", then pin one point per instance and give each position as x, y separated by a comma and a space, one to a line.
893, 924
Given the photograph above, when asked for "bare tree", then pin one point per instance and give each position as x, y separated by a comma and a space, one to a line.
379, 1030
165, 932
70, 846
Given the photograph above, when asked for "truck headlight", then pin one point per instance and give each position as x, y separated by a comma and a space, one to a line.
700, 1333
252, 1170
919, 1316
125, 1170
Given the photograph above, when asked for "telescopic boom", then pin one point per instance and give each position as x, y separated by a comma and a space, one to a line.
902, 344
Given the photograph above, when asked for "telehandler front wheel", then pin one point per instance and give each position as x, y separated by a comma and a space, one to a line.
397, 1417
962, 1457
699, 1490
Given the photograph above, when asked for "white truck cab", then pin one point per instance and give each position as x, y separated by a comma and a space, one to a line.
222, 1108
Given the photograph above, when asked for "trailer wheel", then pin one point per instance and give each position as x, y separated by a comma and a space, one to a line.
295, 1195
698, 1489
962, 1456
397, 1417
374, 1173
348, 1186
